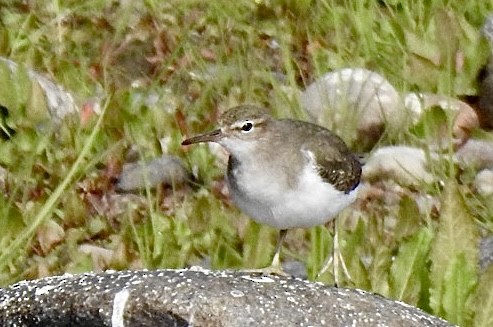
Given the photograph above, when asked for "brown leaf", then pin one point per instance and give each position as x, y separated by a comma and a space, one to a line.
49, 235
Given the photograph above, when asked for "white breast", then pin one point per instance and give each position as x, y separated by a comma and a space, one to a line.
309, 203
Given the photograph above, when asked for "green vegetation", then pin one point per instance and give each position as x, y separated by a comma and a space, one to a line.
165, 69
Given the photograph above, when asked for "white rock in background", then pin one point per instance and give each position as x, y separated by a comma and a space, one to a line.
59, 102
418, 102
475, 153
487, 29
484, 182
405, 165
355, 102
465, 117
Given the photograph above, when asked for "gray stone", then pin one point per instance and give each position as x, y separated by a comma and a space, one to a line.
485, 252
483, 182
166, 169
197, 297
475, 153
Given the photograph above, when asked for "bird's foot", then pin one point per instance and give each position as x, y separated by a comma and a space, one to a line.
323, 270
336, 262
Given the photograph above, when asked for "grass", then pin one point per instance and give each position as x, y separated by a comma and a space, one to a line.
166, 69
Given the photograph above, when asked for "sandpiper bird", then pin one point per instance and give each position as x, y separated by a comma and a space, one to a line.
284, 173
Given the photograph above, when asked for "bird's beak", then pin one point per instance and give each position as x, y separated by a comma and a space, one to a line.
212, 136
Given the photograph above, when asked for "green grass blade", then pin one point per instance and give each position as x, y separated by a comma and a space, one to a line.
408, 266
47, 209
454, 258
483, 302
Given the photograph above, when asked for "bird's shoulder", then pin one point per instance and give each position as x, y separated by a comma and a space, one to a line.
330, 155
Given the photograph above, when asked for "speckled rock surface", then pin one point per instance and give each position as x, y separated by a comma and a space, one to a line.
197, 297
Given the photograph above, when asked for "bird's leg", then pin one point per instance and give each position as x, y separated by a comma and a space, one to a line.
335, 259
336, 254
330, 261
275, 267
276, 261
339, 258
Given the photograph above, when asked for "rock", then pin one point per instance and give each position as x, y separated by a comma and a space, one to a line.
295, 268
464, 116
197, 297
475, 153
59, 102
485, 252
465, 122
405, 165
483, 182
166, 169
363, 102
417, 103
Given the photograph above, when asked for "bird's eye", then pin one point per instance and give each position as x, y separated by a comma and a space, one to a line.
247, 127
